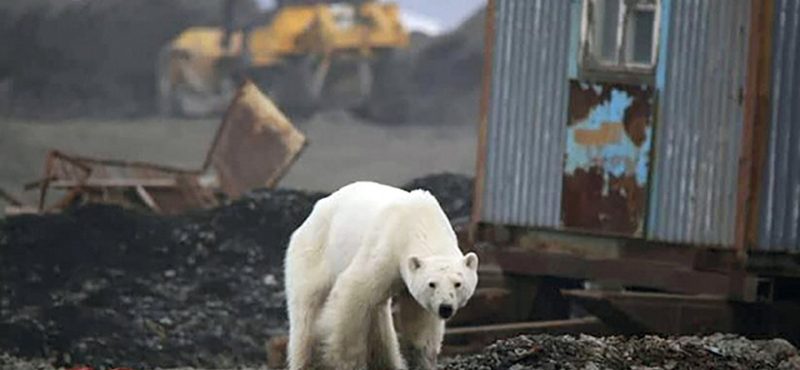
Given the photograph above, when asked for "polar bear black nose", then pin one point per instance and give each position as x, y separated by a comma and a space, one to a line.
445, 311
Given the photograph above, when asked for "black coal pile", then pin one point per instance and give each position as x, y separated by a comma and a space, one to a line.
650, 352
447, 75
90, 57
105, 286
12, 363
101, 285
453, 191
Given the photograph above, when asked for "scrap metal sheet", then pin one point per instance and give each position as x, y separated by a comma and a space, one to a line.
255, 143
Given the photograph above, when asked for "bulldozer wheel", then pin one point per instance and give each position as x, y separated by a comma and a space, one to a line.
165, 101
390, 92
289, 86
178, 98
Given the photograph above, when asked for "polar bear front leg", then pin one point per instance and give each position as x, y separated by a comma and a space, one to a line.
421, 334
344, 323
384, 347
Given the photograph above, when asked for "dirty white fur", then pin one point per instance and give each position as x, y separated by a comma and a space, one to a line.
360, 246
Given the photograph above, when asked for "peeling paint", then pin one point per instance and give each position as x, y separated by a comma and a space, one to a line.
606, 166
620, 157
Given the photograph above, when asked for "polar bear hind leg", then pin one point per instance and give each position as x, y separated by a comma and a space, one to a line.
306, 294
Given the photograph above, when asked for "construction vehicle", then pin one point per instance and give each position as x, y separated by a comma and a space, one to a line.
303, 54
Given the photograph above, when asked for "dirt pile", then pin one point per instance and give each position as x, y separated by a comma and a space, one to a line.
101, 285
90, 57
453, 191
649, 352
447, 73
586, 352
97, 58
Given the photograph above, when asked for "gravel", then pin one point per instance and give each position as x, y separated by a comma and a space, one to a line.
584, 352
529, 352
105, 286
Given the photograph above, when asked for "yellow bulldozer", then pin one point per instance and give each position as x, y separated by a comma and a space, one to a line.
303, 54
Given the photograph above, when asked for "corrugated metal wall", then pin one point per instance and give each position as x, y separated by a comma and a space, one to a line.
780, 196
693, 197
528, 113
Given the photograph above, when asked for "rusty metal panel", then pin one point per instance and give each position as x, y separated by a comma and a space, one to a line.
527, 113
779, 228
606, 170
255, 143
162, 189
187, 195
693, 197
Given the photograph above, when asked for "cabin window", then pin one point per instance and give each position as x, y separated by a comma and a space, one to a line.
619, 39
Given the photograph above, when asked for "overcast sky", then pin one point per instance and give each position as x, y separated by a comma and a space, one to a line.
448, 13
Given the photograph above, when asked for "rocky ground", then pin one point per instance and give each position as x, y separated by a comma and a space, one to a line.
646, 353
104, 286
585, 352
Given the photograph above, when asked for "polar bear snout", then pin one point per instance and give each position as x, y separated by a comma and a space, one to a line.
445, 311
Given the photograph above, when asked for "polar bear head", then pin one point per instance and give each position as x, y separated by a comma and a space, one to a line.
440, 284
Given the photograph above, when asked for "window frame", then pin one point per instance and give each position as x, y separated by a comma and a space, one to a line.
622, 69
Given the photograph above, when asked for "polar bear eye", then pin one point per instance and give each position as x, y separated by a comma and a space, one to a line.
458, 285
432, 285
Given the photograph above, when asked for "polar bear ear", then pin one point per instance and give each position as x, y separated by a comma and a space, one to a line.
414, 263
471, 260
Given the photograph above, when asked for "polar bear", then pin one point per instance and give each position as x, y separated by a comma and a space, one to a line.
359, 247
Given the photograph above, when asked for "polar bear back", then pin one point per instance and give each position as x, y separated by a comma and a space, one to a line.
361, 208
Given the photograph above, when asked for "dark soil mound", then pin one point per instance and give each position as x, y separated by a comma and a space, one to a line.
650, 352
454, 193
90, 57
447, 75
97, 58
101, 285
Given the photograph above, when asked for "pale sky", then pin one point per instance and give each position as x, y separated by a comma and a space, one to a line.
448, 13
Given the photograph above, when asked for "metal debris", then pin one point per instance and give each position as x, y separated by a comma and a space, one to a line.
253, 147
255, 144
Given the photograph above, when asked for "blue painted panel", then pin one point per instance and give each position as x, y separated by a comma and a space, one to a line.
606, 168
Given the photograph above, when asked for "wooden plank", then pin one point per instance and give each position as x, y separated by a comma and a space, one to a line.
114, 183
483, 121
761, 122
10, 198
516, 328
20, 210
470, 339
753, 143
633, 272
473, 339
638, 312
146, 198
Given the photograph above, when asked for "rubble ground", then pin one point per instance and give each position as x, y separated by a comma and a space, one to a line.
584, 352
534, 352
104, 286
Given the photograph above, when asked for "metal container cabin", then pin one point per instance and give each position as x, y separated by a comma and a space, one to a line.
779, 224
659, 158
